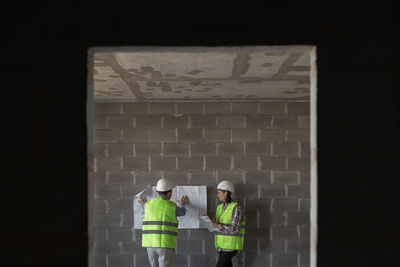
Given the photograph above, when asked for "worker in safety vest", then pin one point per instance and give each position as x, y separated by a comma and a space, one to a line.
160, 226
230, 221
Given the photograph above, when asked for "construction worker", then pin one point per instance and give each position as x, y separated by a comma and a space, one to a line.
160, 226
230, 221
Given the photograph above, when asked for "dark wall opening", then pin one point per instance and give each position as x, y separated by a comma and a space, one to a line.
44, 80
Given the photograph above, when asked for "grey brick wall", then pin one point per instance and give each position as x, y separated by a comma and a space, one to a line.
262, 147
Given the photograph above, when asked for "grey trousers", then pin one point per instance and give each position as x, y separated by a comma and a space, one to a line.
160, 257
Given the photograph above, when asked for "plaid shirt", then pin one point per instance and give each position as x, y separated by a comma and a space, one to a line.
237, 218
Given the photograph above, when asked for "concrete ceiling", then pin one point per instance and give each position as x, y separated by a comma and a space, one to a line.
208, 73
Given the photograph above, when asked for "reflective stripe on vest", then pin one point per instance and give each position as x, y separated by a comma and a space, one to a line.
160, 226
229, 240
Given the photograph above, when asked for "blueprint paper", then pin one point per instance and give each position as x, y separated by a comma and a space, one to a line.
196, 207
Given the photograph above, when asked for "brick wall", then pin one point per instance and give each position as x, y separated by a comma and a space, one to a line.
262, 147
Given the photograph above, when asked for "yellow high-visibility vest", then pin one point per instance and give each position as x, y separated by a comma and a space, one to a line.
229, 240
160, 226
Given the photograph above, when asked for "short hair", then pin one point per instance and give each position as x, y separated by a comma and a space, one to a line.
163, 193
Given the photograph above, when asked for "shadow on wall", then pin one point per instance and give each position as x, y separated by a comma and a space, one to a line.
258, 222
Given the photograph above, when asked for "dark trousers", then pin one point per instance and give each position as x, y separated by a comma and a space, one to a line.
225, 258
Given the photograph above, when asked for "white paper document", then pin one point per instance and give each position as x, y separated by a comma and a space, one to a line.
196, 206
206, 221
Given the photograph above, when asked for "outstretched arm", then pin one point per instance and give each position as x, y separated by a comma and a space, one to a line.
180, 207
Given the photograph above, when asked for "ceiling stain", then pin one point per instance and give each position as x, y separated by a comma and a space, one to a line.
137, 71
154, 75
300, 79
147, 69
240, 64
284, 68
183, 77
111, 61
134, 87
138, 77
194, 72
211, 84
267, 64
165, 87
231, 77
195, 82
287, 66
151, 83
290, 92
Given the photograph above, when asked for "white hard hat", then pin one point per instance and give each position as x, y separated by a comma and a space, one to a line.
164, 184
227, 186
